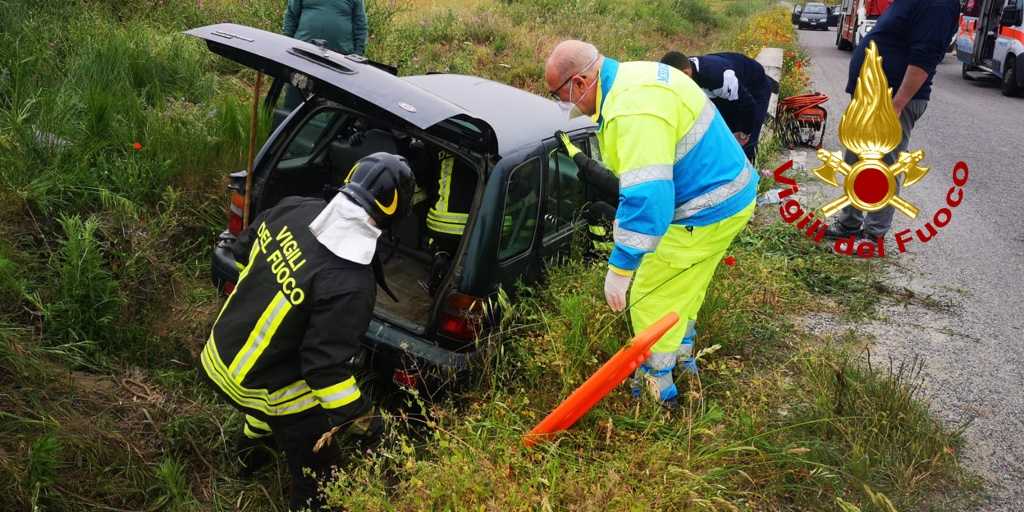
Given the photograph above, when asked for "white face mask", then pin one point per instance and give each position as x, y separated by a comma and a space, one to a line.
573, 107
345, 229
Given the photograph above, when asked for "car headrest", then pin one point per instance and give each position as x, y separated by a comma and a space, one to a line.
376, 140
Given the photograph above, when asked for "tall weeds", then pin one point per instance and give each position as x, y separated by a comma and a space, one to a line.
85, 301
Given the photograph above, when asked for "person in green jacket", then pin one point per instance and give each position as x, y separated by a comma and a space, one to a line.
341, 24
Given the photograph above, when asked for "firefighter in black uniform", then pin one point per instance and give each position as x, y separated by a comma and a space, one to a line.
280, 348
739, 88
447, 217
599, 214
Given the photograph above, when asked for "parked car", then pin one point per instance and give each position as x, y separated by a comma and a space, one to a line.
795, 17
526, 203
814, 16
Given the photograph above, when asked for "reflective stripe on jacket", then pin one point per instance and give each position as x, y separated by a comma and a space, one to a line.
281, 343
676, 159
450, 213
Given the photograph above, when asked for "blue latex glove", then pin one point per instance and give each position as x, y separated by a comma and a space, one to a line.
689, 365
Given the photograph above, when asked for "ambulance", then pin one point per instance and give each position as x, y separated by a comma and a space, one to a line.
990, 42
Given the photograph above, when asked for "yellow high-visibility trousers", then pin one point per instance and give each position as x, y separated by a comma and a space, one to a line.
675, 277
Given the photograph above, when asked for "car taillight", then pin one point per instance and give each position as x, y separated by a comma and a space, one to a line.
235, 212
461, 316
457, 327
236, 206
404, 378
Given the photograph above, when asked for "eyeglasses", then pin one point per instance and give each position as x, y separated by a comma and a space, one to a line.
554, 93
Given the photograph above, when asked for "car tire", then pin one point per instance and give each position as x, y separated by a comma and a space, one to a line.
964, 69
1009, 85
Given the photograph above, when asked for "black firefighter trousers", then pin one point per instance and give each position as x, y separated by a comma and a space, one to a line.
296, 436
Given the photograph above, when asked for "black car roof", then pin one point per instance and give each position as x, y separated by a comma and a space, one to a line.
519, 118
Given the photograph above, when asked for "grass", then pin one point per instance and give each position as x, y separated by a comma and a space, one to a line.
116, 132
779, 420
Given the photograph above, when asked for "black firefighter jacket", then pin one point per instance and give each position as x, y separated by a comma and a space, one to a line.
281, 342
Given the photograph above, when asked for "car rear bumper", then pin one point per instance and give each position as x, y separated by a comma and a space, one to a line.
395, 348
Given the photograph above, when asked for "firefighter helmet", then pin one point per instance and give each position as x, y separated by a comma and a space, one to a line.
383, 184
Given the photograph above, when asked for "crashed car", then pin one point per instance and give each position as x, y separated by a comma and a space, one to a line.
526, 202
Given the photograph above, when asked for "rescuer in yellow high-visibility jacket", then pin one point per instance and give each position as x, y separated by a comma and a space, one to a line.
685, 190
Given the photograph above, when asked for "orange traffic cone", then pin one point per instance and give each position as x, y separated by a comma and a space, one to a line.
613, 373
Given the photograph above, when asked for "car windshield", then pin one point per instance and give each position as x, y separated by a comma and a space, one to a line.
814, 9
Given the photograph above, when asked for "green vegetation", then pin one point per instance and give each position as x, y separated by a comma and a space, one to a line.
777, 420
116, 132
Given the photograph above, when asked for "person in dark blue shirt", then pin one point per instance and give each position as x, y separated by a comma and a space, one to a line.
911, 36
737, 85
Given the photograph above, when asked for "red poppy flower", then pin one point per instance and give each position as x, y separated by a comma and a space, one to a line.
137, 146
729, 260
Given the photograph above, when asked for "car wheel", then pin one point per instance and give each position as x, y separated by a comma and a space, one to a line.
1009, 85
964, 69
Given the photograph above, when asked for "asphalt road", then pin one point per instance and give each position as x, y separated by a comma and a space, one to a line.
972, 350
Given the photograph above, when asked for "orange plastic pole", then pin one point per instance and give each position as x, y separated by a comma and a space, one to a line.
610, 375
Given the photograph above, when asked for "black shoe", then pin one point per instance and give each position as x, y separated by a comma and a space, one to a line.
836, 231
254, 454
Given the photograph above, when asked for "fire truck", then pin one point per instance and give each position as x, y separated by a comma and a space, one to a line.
856, 19
990, 42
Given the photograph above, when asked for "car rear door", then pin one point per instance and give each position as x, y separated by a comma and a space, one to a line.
518, 242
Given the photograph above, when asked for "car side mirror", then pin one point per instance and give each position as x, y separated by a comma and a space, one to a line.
1012, 16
